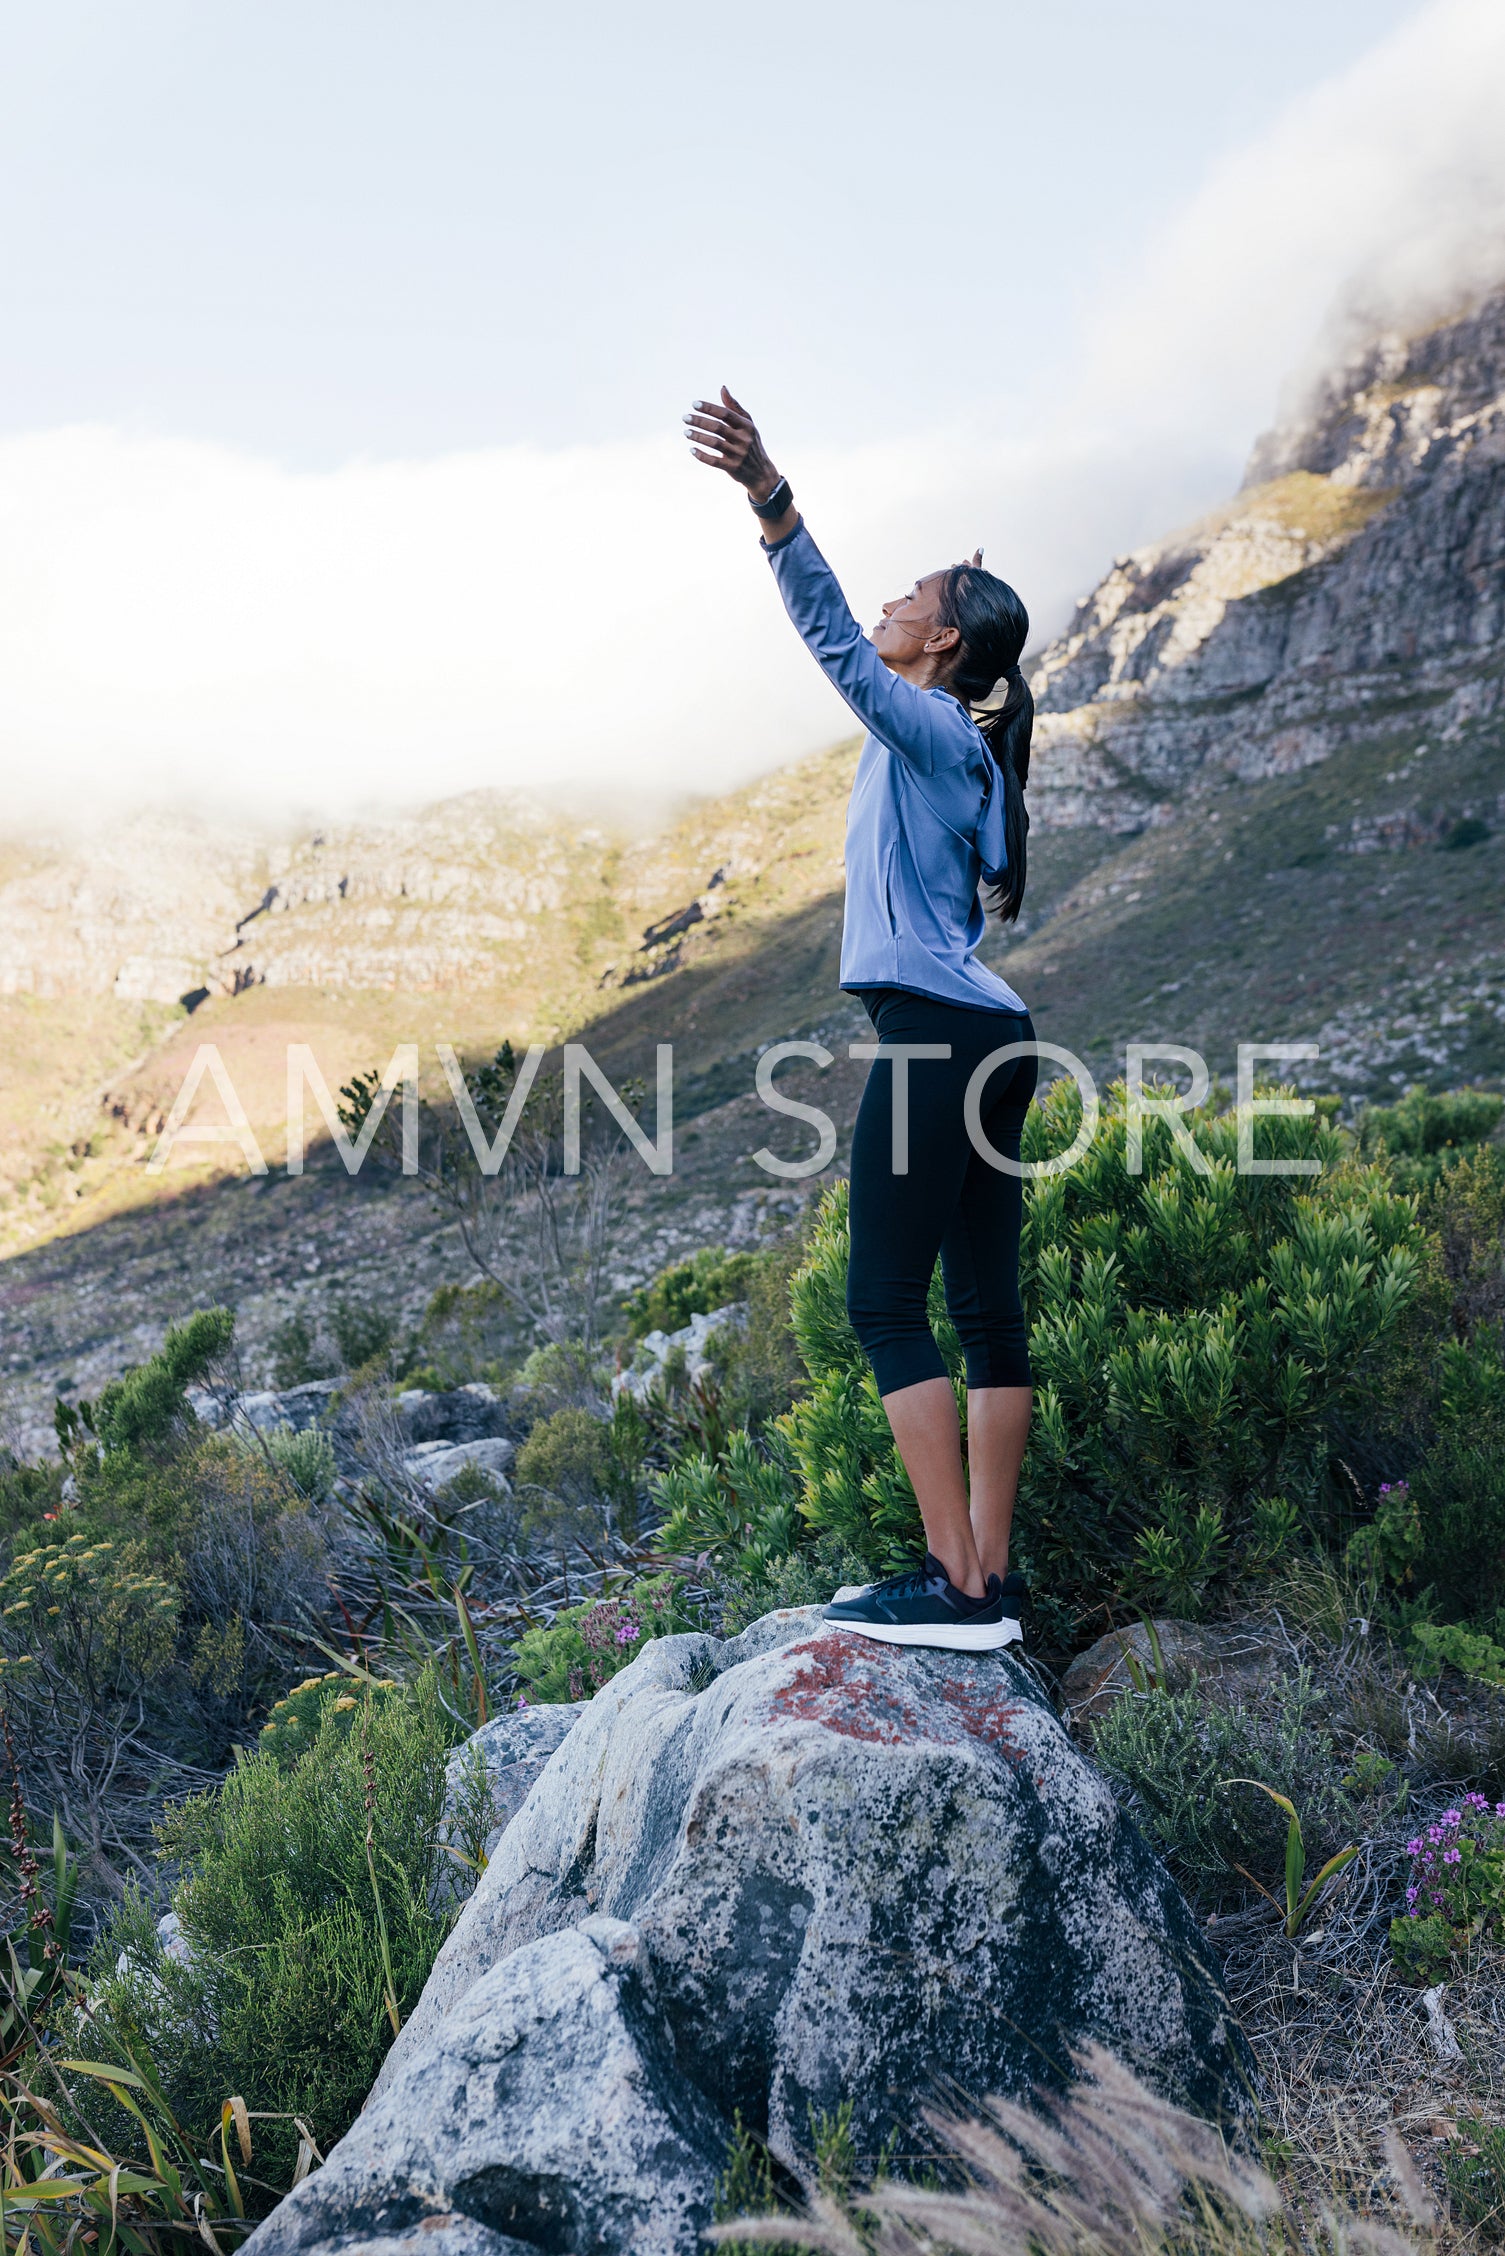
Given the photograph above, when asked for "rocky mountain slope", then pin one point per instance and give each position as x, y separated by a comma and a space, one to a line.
1268, 804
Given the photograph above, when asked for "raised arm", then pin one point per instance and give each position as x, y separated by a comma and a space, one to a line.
928, 731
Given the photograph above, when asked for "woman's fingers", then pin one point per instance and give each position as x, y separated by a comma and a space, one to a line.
722, 434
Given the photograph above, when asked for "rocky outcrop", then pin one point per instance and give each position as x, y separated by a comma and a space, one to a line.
843, 1872
269, 1410
1362, 567
691, 1344
1169, 1654
475, 1412
548, 2113
491, 1775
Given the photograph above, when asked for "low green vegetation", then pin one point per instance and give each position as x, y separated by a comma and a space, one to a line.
304, 1931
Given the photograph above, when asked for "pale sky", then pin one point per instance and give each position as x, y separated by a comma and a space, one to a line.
346, 347
325, 228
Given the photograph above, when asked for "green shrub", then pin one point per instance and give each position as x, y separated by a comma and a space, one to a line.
1473, 1652
1177, 1756
304, 1911
30, 1495
139, 1414
298, 1718
361, 1332
709, 1280
464, 1334
583, 1470
1466, 1209
1458, 1485
308, 1460
799, 1578
757, 1365
1424, 1136
296, 1355
585, 1646
735, 1509
83, 1627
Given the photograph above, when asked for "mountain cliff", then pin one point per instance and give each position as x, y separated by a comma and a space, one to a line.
1358, 577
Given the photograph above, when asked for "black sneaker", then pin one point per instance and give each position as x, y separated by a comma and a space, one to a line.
923, 1607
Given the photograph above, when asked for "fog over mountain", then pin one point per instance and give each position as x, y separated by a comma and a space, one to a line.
185, 623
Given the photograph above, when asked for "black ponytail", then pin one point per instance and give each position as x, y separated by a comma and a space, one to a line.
994, 627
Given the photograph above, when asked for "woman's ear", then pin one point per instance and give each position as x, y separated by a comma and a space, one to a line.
944, 638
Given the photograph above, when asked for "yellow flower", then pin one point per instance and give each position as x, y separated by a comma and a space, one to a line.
344, 1701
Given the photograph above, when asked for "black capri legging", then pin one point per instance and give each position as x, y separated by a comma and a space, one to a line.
950, 1200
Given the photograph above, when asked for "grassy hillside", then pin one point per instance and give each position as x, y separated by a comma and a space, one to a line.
1247, 917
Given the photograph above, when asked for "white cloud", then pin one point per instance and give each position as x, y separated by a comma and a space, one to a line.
179, 620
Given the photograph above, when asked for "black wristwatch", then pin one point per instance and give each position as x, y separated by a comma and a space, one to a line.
778, 501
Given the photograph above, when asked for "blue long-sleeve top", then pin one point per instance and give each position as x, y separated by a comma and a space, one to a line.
925, 819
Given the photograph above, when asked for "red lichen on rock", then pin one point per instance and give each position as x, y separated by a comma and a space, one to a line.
984, 1715
858, 1689
839, 1687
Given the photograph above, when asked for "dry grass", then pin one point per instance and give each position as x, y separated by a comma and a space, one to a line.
1346, 2050
1106, 2170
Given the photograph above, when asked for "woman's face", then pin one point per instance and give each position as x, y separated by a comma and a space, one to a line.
908, 637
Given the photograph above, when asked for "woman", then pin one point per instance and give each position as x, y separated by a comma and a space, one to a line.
937, 806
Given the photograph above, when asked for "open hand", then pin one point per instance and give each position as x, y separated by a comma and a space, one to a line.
724, 436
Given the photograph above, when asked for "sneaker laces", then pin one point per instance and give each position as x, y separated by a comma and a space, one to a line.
903, 1584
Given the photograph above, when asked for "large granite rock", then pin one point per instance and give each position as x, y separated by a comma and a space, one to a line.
853, 1872
486, 1781
548, 2113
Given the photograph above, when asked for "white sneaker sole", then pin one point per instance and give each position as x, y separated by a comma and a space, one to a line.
980, 1637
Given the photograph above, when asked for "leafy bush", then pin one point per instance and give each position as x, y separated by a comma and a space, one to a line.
1179, 1756
305, 1924
735, 1509
361, 1332
1466, 1209
584, 1470
799, 1578
1473, 1652
297, 1719
138, 1414
709, 1280
308, 1460
1456, 1889
1193, 1339
463, 1335
296, 1355
30, 1495
1459, 1485
759, 1366
1424, 1136
585, 1646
